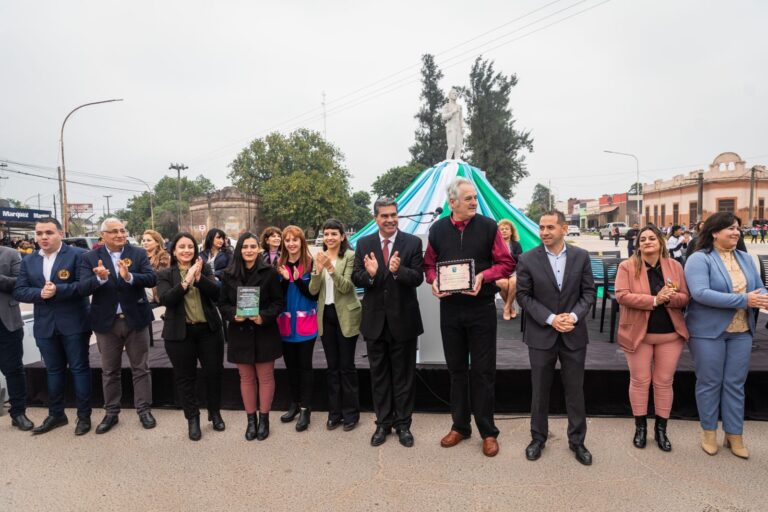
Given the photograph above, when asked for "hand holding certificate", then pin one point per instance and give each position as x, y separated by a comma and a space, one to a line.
456, 276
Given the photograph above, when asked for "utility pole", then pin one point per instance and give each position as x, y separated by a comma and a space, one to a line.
108, 210
178, 168
325, 126
55, 214
752, 195
549, 193
700, 203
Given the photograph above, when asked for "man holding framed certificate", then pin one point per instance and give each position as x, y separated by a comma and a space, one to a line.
465, 256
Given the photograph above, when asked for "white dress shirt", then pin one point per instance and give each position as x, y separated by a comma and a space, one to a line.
48, 262
557, 262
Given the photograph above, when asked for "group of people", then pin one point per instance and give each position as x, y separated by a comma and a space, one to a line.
710, 305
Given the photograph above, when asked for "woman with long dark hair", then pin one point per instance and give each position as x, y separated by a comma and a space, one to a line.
338, 315
192, 330
253, 342
271, 242
651, 292
297, 323
726, 290
215, 252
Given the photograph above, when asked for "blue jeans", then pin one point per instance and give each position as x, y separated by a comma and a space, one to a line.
59, 351
722, 365
11, 354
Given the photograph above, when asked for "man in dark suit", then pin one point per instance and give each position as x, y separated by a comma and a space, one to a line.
116, 274
556, 290
12, 339
389, 266
48, 279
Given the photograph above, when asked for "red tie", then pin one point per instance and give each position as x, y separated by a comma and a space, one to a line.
385, 249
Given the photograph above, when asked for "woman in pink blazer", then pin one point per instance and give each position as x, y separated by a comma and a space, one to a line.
651, 291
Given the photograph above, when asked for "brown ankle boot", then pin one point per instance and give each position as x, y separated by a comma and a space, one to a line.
709, 441
736, 444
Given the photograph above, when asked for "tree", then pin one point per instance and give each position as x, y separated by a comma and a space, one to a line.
360, 210
430, 146
395, 180
136, 214
493, 143
541, 201
290, 175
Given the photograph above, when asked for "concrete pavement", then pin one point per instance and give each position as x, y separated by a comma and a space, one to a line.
133, 469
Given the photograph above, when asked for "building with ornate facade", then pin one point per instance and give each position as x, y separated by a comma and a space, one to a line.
725, 186
227, 209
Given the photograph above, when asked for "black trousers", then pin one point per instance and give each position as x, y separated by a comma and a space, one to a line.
343, 400
206, 346
393, 365
572, 375
298, 362
469, 332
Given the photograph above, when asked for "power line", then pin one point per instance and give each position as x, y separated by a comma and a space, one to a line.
84, 174
5, 169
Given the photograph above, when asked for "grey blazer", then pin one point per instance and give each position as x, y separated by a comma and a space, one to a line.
10, 265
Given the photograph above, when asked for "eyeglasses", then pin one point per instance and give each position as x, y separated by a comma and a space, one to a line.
116, 231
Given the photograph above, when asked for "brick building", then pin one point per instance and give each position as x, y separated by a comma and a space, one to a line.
227, 209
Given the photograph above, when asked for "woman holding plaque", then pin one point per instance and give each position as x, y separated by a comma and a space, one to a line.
297, 323
338, 316
651, 291
271, 241
192, 330
251, 298
507, 286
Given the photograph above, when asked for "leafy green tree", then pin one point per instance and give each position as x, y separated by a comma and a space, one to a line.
395, 180
493, 143
430, 146
541, 201
360, 210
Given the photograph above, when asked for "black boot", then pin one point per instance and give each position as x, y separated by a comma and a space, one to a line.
641, 431
263, 431
217, 420
250, 430
291, 413
303, 422
660, 433
194, 428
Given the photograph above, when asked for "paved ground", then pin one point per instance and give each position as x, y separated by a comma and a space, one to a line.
133, 469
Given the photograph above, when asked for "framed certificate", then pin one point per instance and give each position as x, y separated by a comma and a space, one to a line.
248, 301
456, 276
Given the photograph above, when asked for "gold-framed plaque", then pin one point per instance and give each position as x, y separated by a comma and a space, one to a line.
456, 276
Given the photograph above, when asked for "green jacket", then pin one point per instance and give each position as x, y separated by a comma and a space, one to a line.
345, 299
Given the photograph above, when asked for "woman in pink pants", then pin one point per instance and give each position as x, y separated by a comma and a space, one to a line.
254, 340
651, 291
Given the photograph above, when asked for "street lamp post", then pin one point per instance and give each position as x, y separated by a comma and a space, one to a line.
62, 168
637, 180
151, 201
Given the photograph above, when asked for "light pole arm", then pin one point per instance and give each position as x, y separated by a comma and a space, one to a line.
149, 191
637, 178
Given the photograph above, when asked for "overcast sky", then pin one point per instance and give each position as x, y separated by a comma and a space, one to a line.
674, 81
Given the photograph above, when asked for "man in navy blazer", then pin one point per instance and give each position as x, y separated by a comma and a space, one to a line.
48, 279
116, 275
388, 266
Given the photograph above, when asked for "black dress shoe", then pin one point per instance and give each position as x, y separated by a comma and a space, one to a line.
582, 454
303, 422
83, 426
194, 428
405, 437
21, 422
291, 413
533, 451
332, 424
50, 423
217, 420
350, 426
147, 420
380, 435
109, 421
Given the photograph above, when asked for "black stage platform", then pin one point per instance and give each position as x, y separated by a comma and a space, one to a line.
606, 379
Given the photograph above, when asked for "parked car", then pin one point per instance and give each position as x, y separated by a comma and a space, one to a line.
573, 230
606, 231
84, 242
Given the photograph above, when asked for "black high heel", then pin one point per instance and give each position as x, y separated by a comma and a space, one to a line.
641, 431
217, 420
263, 430
250, 430
291, 413
660, 433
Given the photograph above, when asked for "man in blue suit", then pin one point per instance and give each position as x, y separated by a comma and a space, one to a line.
48, 279
116, 275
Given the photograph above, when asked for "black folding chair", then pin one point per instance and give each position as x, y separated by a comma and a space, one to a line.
610, 268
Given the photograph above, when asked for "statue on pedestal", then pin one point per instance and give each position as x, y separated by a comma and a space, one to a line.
454, 125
